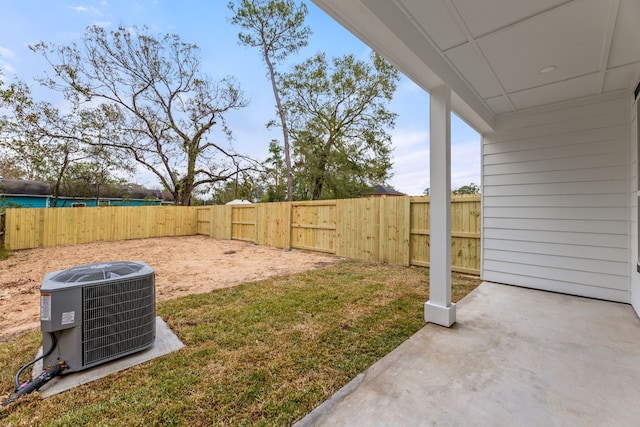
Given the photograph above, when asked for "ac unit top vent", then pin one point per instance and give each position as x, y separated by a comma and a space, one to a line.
96, 272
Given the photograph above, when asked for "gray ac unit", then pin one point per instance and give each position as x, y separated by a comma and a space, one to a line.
98, 312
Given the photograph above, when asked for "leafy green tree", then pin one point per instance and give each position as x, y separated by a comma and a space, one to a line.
277, 28
10, 168
275, 174
92, 177
224, 192
146, 96
467, 189
338, 121
246, 186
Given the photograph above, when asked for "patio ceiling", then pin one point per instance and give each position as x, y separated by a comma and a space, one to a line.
492, 53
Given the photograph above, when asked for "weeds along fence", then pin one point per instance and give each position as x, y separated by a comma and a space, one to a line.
393, 230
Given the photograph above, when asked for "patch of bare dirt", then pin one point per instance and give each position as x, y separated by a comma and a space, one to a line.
183, 265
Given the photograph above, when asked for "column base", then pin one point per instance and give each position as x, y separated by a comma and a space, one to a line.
443, 316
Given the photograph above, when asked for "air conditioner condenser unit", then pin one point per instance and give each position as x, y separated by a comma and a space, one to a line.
98, 312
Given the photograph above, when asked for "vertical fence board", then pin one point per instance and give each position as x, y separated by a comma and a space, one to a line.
203, 221
243, 222
358, 230
465, 230
313, 226
394, 235
419, 234
273, 224
220, 218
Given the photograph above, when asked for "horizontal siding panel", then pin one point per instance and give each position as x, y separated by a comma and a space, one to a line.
559, 249
524, 165
529, 237
555, 199
558, 151
564, 188
550, 115
568, 139
596, 174
616, 117
573, 225
594, 213
551, 273
582, 201
579, 265
557, 286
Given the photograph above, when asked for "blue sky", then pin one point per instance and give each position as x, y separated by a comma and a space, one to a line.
205, 23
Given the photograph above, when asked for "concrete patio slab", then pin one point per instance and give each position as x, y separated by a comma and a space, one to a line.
166, 342
515, 357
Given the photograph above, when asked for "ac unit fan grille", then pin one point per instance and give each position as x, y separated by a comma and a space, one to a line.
118, 317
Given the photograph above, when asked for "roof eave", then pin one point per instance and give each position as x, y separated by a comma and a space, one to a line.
381, 25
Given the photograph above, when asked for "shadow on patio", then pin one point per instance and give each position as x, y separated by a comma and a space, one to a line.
515, 357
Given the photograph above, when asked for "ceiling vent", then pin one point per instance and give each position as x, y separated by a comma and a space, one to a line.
98, 312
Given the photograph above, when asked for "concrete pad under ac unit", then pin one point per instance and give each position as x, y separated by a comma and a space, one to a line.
166, 342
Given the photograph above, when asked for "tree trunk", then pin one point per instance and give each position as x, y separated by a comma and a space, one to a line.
285, 130
318, 179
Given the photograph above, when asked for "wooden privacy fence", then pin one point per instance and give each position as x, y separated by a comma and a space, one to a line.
32, 228
393, 230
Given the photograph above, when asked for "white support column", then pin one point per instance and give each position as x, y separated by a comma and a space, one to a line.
439, 308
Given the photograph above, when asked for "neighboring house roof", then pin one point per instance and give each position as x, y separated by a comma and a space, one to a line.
381, 190
41, 188
167, 196
32, 188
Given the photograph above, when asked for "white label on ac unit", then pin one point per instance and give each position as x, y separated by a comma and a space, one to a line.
68, 317
45, 307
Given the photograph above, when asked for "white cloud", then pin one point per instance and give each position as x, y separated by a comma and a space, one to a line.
103, 24
409, 139
465, 163
85, 9
7, 69
411, 162
6, 53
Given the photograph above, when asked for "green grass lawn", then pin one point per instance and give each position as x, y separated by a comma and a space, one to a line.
263, 353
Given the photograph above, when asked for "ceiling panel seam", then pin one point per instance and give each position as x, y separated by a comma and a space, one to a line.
470, 39
427, 50
519, 21
608, 41
423, 33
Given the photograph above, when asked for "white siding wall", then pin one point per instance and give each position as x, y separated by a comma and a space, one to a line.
633, 157
556, 199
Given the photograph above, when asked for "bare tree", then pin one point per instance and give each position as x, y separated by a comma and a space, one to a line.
276, 27
47, 144
146, 96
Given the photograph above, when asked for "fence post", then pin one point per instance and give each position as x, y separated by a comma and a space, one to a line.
228, 213
288, 225
406, 231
